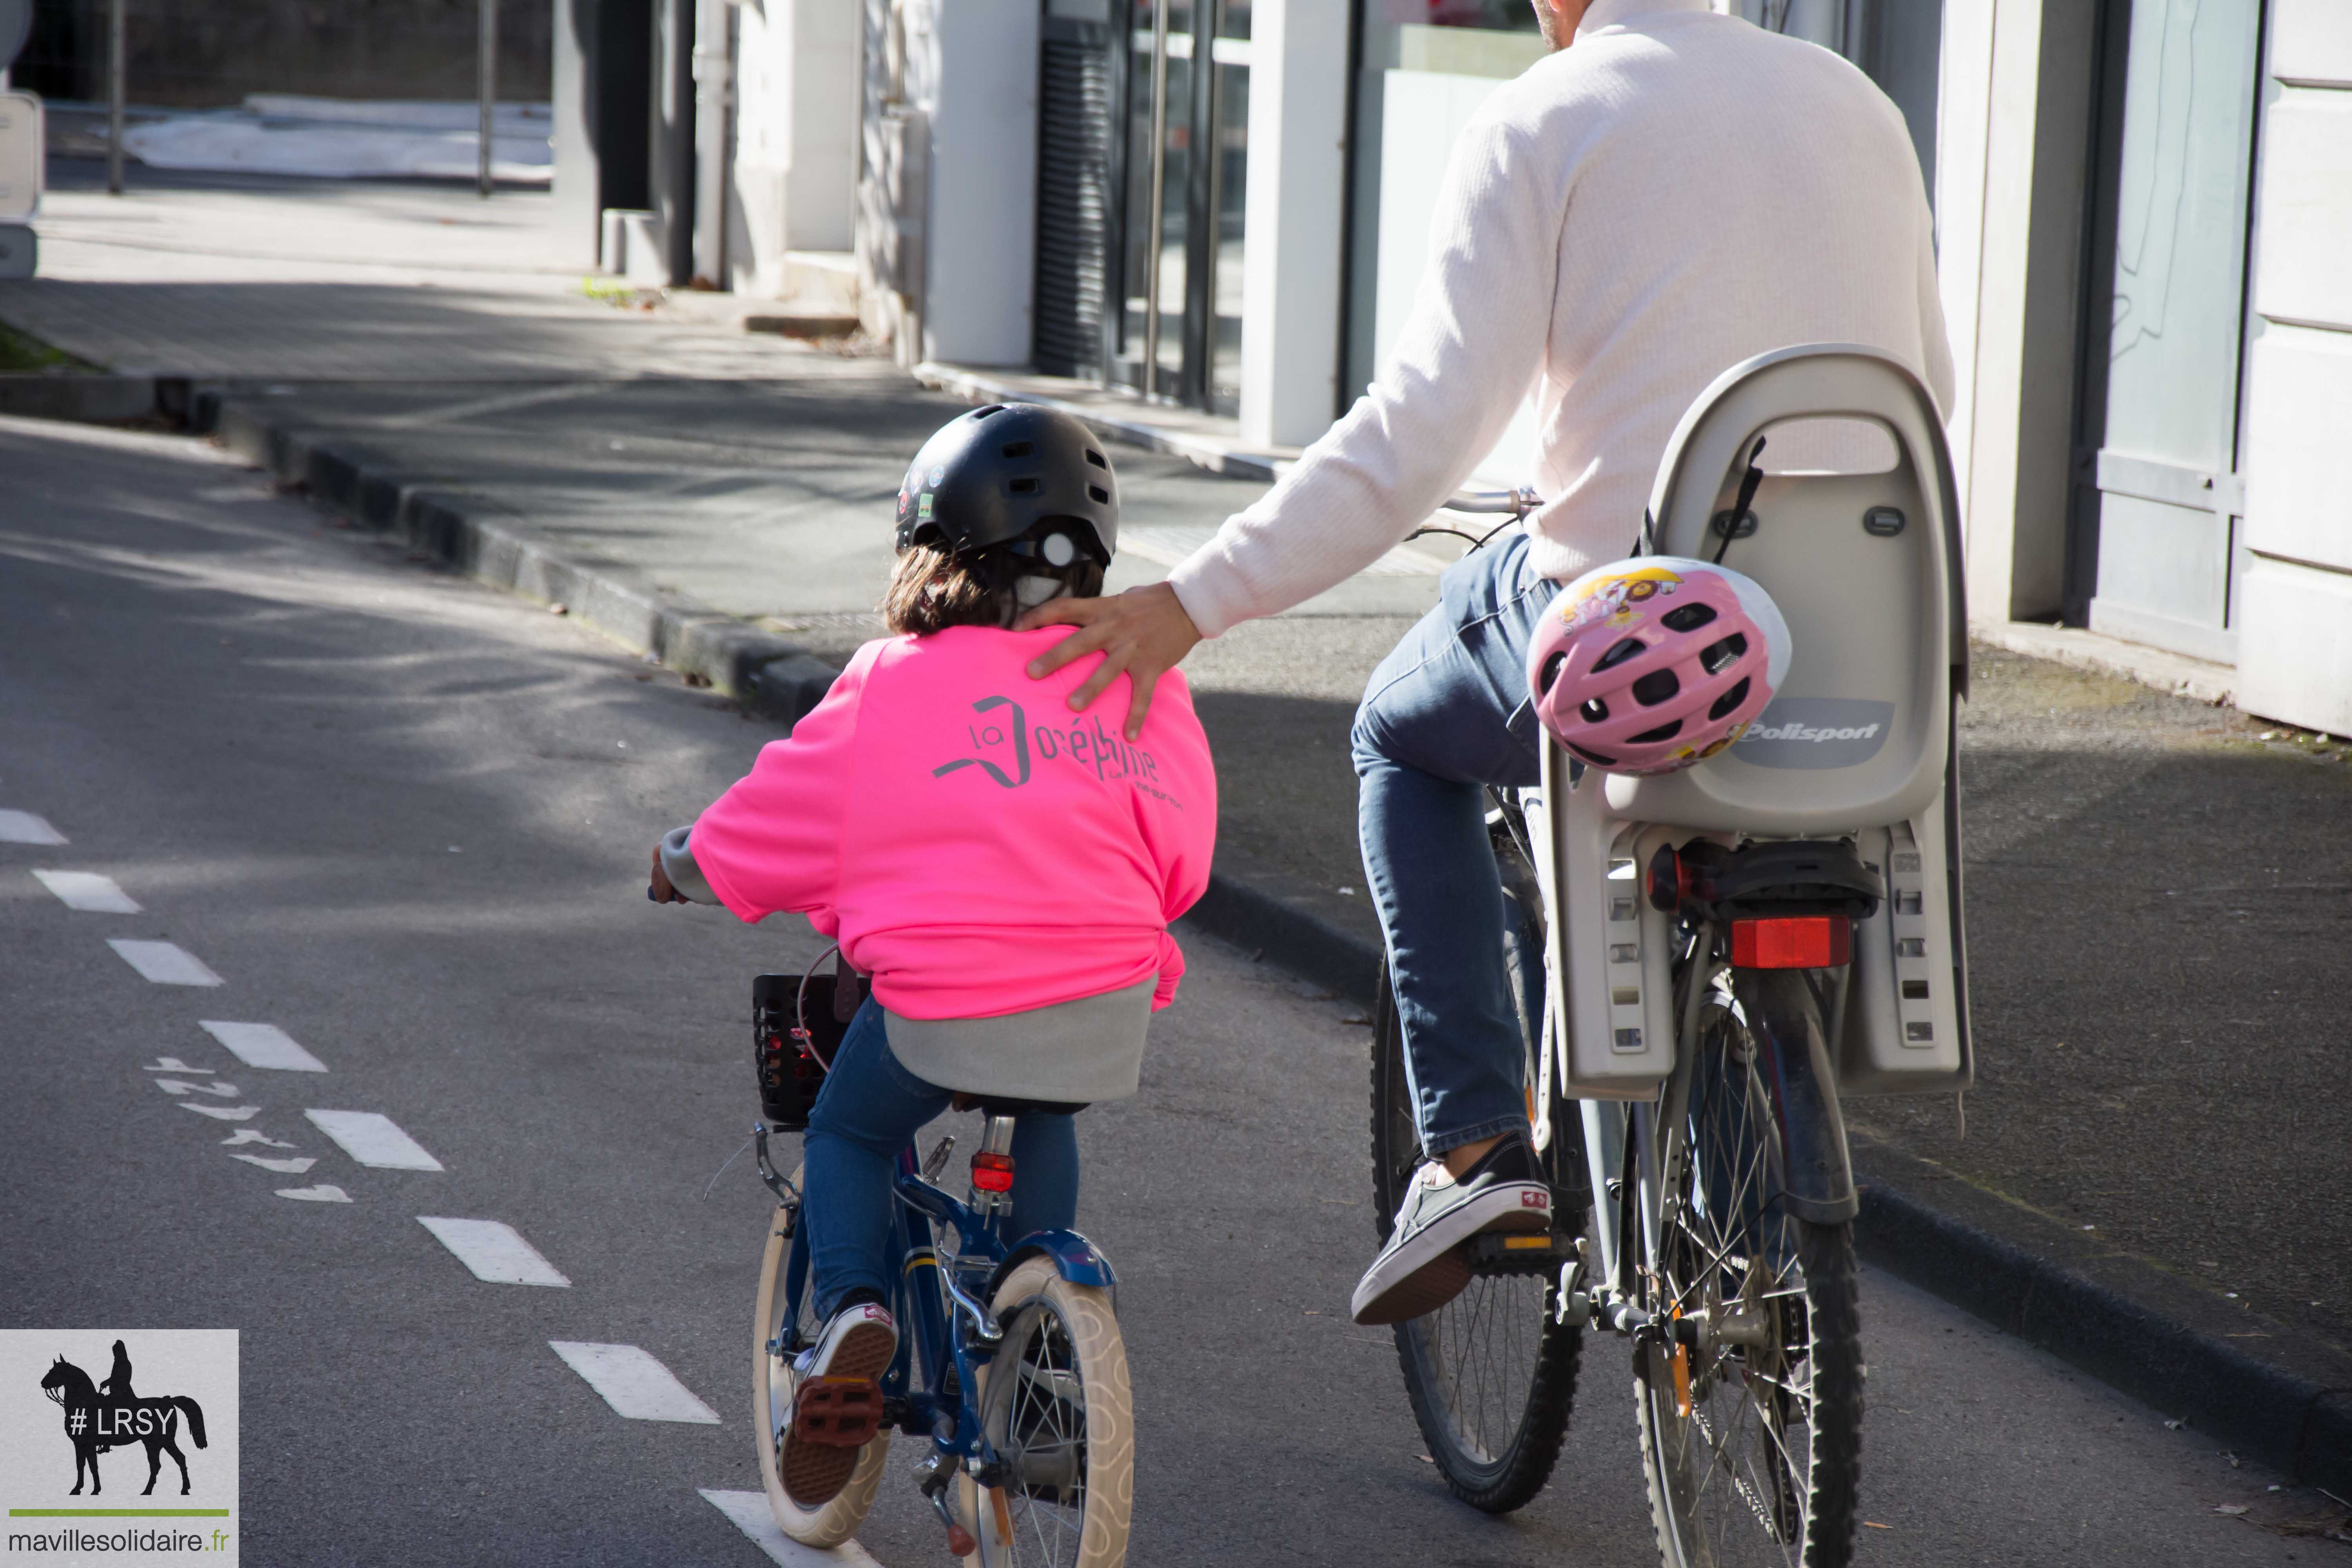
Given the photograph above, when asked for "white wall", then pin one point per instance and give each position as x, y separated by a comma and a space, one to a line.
1423, 115
1298, 186
795, 136
981, 232
2294, 637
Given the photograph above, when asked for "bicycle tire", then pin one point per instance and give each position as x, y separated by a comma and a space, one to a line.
1763, 1511
1497, 1465
835, 1520
1062, 1346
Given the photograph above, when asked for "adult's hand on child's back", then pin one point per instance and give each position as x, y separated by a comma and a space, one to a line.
1143, 632
659, 890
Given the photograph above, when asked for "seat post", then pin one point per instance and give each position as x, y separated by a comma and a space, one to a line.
992, 1194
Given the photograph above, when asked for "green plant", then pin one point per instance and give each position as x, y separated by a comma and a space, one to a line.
21, 351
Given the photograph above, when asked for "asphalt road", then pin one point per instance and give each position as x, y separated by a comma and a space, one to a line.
405, 820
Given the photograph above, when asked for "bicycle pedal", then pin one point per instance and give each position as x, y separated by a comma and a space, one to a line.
837, 1412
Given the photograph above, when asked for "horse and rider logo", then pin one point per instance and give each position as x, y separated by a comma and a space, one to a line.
99, 1417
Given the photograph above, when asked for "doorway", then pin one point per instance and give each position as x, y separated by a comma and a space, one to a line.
2155, 552
1143, 147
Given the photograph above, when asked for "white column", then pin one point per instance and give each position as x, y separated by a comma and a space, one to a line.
1298, 186
981, 230
2294, 605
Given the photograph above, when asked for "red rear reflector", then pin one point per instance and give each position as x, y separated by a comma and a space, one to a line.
1800, 941
992, 1173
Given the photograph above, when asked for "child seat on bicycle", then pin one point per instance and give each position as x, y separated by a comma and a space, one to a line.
1003, 869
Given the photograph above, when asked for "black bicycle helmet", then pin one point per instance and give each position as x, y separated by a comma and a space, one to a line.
1011, 474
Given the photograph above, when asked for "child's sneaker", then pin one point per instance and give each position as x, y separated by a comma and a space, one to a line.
837, 1402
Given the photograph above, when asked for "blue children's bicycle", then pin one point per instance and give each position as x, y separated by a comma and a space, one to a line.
1009, 1360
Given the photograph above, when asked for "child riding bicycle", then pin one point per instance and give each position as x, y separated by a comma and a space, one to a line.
1003, 870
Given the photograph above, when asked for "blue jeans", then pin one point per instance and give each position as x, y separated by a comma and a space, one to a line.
868, 1108
1446, 713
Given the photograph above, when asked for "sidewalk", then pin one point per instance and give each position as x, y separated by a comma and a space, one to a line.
2158, 896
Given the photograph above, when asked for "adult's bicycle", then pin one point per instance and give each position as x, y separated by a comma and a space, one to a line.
1703, 965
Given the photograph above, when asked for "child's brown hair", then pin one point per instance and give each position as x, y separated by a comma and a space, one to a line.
933, 589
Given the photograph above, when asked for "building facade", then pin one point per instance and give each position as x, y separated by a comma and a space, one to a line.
2142, 211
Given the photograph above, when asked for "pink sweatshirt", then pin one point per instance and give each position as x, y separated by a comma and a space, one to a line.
974, 846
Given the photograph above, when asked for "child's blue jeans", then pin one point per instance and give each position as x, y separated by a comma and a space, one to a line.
869, 1107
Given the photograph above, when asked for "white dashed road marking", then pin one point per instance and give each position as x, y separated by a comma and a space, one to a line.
163, 963
24, 828
294, 1167
751, 1515
263, 1046
173, 1064
253, 1135
321, 1194
88, 890
222, 1112
373, 1139
175, 1086
493, 1251
633, 1383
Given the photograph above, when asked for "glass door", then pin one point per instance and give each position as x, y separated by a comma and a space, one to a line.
1187, 96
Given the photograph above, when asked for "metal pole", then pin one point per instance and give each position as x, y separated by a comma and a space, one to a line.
1159, 183
487, 75
115, 52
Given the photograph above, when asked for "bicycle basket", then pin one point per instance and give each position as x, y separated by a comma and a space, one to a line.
798, 1022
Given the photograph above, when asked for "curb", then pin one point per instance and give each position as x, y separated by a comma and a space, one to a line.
1233, 461
93, 399
2117, 1317
765, 673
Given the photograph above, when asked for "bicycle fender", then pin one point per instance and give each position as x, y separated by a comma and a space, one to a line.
1075, 1259
1818, 1184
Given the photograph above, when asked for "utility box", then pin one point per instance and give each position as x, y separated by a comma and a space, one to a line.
22, 156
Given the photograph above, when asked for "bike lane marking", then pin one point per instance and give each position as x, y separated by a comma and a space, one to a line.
25, 827
88, 892
493, 1250
751, 1514
374, 1140
165, 963
633, 1383
262, 1045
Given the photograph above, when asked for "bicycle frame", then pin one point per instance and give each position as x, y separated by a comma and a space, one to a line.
948, 1330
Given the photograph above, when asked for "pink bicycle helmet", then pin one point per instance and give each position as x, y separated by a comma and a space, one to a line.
1652, 665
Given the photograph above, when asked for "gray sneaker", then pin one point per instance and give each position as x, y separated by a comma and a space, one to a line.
1424, 1264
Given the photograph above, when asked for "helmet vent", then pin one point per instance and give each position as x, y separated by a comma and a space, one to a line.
1097, 459
1655, 688
984, 412
1716, 655
1623, 649
1730, 701
1593, 711
1101, 497
1025, 487
1020, 448
1551, 671
1688, 618
1665, 732
1595, 758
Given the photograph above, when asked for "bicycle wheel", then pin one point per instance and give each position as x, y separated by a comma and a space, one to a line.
1750, 1409
831, 1522
1057, 1407
1492, 1374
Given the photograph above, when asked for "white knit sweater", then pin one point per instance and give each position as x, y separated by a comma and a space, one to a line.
1673, 194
